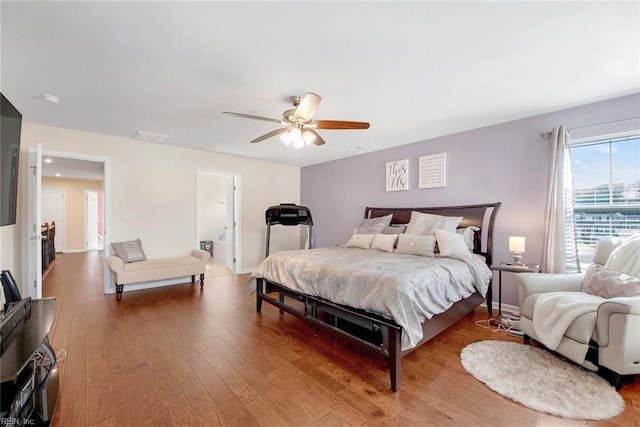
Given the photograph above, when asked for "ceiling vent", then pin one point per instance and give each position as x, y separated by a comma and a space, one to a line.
150, 137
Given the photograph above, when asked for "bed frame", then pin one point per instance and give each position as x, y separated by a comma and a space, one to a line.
374, 332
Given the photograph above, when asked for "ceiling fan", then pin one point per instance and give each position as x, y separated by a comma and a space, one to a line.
300, 129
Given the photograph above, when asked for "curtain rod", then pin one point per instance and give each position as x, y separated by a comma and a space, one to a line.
547, 134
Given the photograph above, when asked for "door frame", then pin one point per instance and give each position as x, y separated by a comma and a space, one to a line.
106, 188
234, 249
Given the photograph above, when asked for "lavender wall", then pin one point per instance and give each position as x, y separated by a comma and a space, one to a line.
505, 163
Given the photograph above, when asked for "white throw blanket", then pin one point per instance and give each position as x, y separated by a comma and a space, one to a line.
554, 312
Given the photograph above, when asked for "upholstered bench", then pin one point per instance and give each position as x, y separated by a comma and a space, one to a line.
145, 270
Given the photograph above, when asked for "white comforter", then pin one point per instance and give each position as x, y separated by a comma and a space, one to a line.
406, 288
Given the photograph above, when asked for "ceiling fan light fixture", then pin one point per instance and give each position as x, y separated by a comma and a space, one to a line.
295, 134
308, 137
286, 138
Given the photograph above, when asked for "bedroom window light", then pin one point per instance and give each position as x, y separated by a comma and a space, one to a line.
606, 190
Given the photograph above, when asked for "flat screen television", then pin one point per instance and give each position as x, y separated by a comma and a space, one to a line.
10, 126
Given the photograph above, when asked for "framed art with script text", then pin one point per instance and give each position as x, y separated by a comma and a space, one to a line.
397, 175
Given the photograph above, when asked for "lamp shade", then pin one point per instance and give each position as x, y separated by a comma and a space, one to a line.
516, 244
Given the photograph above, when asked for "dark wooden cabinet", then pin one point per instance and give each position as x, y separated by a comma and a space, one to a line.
28, 365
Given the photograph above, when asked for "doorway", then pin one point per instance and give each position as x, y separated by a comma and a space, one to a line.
74, 167
218, 216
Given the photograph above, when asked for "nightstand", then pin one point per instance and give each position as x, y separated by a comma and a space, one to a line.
511, 268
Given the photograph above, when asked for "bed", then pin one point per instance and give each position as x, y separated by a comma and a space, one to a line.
388, 302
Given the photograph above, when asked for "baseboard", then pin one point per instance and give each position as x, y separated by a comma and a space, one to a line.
506, 308
73, 251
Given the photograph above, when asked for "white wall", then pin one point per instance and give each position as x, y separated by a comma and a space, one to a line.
10, 248
158, 182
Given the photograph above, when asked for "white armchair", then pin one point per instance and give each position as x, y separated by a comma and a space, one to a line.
612, 346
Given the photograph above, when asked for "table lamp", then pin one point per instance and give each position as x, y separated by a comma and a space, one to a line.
516, 245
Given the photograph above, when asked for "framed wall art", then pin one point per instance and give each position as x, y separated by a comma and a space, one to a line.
397, 175
432, 171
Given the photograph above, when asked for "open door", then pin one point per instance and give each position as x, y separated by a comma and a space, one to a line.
231, 224
34, 202
91, 220
53, 210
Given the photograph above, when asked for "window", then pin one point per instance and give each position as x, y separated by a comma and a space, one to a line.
606, 190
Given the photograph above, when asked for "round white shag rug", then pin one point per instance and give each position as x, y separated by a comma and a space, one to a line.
539, 380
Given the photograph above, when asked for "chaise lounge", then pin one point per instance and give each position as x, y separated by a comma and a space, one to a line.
130, 265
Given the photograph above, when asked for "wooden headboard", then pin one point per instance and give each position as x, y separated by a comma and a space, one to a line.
482, 216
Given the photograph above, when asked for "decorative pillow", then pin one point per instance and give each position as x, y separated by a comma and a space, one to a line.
451, 244
467, 234
384, 242
426, 223
626, 257
362, 241
422, 223
449, 223
605, 247
416, 245
374, 225
130, 251
606, 283
394, 229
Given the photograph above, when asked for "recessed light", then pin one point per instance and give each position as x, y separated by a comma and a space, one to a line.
357, 148
48, 160
51, 98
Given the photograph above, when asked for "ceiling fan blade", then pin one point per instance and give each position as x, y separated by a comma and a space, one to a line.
337, 124
318, 139
270, 135
307, 107
249, 116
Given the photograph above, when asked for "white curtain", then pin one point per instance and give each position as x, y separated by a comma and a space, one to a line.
560, 250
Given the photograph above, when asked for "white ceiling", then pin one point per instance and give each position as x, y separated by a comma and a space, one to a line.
414, 70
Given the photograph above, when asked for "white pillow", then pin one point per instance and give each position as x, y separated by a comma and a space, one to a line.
605, 247
426, 223
626, 257
467, 234
416, 245
362, 241
384, 242
451, 244
449, 223
422, 223
374, 225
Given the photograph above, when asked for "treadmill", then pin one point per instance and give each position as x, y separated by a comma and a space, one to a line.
288, 214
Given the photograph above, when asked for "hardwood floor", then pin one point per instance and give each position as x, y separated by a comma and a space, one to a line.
181, 356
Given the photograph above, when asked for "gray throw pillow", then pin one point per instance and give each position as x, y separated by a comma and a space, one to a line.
394, 229
130, 251
374, 225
